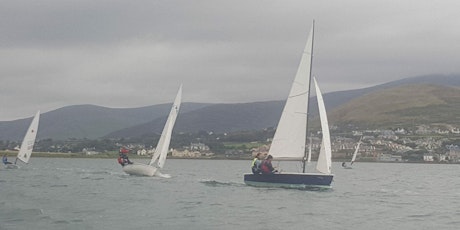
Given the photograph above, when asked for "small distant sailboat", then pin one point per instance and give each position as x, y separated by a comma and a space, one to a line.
290, 137
309, 150
27, 145
159, 157
353, 158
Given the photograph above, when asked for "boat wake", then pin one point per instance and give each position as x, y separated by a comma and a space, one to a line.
214, 183
159, 174
15, 215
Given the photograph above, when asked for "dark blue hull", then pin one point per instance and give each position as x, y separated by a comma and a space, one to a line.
289, 180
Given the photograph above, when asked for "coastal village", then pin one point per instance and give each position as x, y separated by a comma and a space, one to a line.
424, 144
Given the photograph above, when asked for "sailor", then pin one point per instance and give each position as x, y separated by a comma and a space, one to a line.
266, 166
120, 161
123, 158
255, 166
5, 160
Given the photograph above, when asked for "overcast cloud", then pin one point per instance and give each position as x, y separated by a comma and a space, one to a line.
136, 53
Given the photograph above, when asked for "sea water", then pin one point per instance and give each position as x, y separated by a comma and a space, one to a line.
52, 193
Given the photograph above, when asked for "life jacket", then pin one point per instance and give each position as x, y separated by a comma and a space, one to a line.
253, 164
120, 160
264, 168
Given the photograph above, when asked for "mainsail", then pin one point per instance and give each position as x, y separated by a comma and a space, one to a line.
29, 140
163, 144
356, 151
289, 140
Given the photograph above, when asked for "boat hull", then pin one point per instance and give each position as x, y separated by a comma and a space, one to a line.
140, 169
290, 180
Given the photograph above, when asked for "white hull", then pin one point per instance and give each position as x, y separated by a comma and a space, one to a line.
140, 169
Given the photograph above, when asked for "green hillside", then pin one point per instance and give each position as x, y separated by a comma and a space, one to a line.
403, 105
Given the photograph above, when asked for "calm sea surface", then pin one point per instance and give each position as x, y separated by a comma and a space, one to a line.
54, 193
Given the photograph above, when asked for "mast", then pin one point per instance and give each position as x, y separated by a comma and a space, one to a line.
304, 160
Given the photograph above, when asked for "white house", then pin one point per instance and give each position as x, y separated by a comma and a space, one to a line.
199, 147
389, 157
428, 158
141, 152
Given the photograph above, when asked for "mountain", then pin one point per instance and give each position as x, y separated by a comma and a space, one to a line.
215, 118
410, 104
398, 102
335, 99
87, 121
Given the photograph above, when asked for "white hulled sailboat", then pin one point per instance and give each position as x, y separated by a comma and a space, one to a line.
27, 145
159, 157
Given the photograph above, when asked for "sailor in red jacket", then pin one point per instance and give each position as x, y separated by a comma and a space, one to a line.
266, 166
123, 158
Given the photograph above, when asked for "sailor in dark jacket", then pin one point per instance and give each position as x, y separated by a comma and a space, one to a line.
266, 166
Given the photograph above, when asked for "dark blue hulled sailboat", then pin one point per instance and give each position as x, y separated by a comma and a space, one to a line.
290, 137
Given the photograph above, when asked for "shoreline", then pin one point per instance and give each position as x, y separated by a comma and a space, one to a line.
113, 155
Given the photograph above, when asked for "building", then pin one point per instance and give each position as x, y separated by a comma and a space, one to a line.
389, 158
199, 147
90, 151
428, 157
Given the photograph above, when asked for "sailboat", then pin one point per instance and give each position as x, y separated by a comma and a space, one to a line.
290, 137
159, 157
309, 150
353, 158
27, 144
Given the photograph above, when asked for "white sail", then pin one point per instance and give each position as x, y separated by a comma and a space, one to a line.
356, 152
324, 159
163, 144
289, 140
29, 140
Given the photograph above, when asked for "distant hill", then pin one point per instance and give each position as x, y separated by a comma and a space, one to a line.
335, 99
411, 104
425, 99
87, 121
216, 118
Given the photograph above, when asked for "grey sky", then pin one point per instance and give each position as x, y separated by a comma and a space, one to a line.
136, 53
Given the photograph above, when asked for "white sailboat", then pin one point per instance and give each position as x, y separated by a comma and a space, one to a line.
309, 150
159, 157
353, 158
27, 145
290, 137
